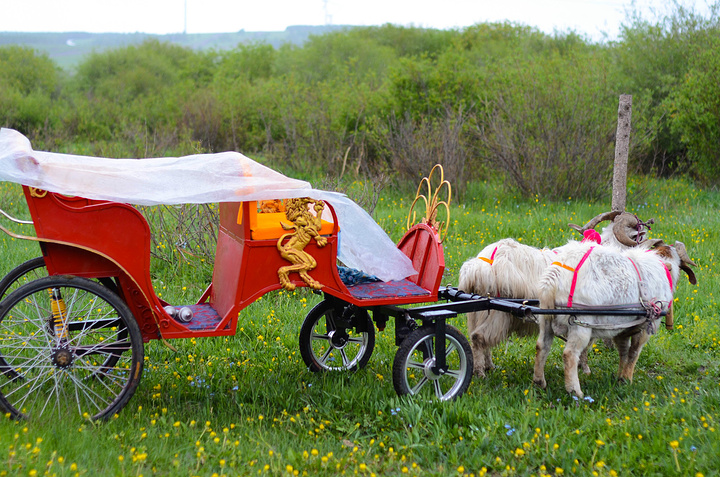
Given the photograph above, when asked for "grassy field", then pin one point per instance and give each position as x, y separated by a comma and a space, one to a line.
246, 405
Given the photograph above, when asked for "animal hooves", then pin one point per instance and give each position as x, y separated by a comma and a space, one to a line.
541, 384
586, 370
479, 373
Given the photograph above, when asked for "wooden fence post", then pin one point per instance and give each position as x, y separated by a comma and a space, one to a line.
622, 146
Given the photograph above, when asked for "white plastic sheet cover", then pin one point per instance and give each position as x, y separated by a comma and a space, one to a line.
199, 178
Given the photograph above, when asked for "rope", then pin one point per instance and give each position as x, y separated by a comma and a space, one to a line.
639, 227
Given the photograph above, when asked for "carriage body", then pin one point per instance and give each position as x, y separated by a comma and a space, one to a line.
99, 251
103, 239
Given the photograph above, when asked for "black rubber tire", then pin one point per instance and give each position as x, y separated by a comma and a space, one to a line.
24, 273
323, 344
45, 370
412, 366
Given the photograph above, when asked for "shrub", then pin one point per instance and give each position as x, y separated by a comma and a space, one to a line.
653, 57
29, 87
413, 146
694, 108
549, 126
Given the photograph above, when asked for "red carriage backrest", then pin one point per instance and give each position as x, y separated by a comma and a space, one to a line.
422, 245
96, 238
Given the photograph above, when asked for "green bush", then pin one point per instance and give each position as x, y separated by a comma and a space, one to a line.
29, 87
538, 109
549, 125
695, 113
653, 58
134, 93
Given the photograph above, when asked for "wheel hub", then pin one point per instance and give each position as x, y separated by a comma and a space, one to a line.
62, 357
338, 339
428, 366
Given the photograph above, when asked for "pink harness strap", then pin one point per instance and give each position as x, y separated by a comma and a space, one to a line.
667, 274
670, 281
575, 274
636, 268
667, 271
491, 259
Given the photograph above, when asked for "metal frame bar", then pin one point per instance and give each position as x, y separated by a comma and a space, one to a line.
460, 302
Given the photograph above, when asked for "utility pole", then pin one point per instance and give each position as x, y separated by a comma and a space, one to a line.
328, 17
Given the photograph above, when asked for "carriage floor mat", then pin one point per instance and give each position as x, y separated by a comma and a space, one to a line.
395, 288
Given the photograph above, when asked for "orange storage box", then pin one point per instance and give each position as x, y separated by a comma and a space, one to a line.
266, 225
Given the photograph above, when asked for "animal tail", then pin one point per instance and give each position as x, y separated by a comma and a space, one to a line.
281, 239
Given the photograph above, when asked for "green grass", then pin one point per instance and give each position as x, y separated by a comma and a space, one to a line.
246, 405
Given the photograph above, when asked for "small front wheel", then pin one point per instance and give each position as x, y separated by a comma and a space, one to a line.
336, 339
415, 371
67, 345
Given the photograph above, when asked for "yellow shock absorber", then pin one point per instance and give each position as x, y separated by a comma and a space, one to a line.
59, 311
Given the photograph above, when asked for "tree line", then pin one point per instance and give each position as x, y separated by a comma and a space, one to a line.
495, 101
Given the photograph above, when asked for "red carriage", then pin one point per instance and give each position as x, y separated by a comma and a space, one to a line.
72, 337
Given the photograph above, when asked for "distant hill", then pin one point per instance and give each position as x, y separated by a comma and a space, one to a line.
67, 49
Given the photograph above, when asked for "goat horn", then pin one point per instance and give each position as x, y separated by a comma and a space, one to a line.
596, 220
686, 262
623, 223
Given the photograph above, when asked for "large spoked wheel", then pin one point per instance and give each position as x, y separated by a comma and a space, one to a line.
22, 274
415, 371
67, 345
334, 340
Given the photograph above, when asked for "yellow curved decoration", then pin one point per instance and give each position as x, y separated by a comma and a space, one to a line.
432, 202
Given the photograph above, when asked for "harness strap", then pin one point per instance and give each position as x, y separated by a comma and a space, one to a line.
491, 259
642, 287
670, 305
667, 270
667, 273
605, 326
575, 274
642, 284
570, 269
636, 268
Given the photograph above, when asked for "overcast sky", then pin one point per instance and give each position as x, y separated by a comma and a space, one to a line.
590, 17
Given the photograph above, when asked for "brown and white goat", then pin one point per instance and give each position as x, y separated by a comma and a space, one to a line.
598, 276
510, 269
